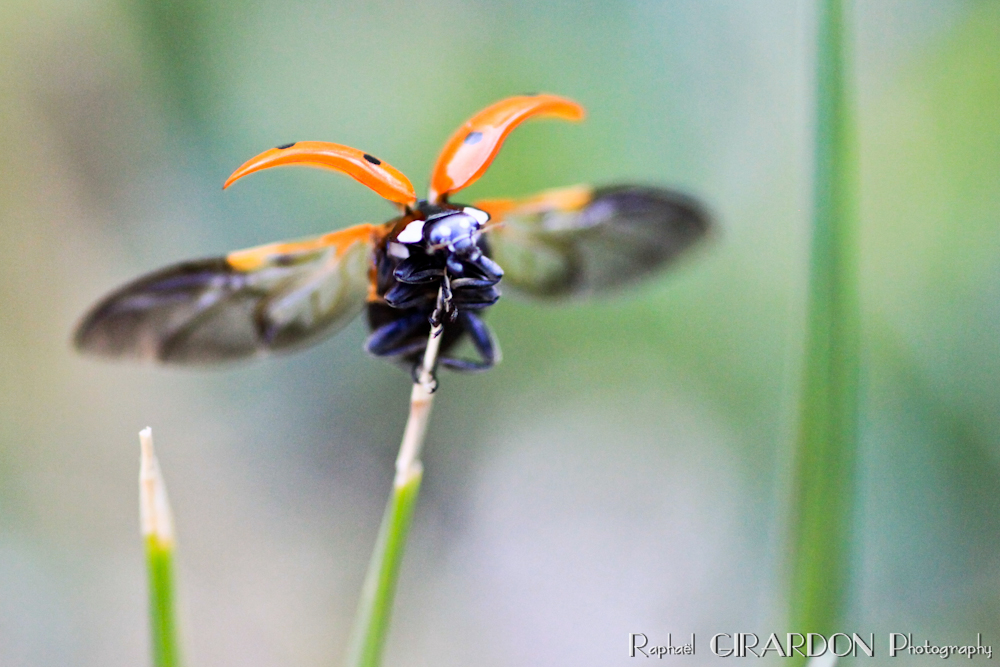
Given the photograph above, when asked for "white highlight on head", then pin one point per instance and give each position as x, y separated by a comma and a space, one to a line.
412, 233
482, 217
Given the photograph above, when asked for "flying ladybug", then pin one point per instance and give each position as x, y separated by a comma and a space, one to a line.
438, 263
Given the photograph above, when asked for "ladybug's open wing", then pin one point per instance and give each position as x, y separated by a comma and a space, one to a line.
581, 240
471, 148
248, 303
382, 177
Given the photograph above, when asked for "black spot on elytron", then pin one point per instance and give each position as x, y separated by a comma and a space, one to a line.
473, 138
374, 160
284, 146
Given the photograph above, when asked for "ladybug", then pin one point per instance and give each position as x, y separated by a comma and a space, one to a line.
437, 263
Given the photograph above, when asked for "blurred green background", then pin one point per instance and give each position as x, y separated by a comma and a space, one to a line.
626, 468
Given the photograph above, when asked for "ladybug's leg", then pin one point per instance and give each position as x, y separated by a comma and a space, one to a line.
480, 264
462, 283
476, 298
482, 339
415, 271
391, 339
479, 271
444, 306
489, 268
405, 295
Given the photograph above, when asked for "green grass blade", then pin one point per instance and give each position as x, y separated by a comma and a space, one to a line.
827, 437
158, 533
160, 566
371, 624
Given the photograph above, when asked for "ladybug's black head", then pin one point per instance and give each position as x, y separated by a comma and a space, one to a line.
456, 232
447, 231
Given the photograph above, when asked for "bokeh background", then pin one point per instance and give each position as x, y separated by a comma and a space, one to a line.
627, 467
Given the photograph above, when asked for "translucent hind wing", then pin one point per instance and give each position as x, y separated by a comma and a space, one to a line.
250, 303
581, 240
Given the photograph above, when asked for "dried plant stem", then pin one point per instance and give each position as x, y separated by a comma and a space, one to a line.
157, 524
421, 402
371, 624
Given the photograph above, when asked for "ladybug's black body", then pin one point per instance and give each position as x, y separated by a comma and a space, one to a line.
434, 267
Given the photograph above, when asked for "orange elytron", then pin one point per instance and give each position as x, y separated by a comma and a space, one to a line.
437, 262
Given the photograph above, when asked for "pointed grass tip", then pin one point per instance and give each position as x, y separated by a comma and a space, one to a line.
156, 519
